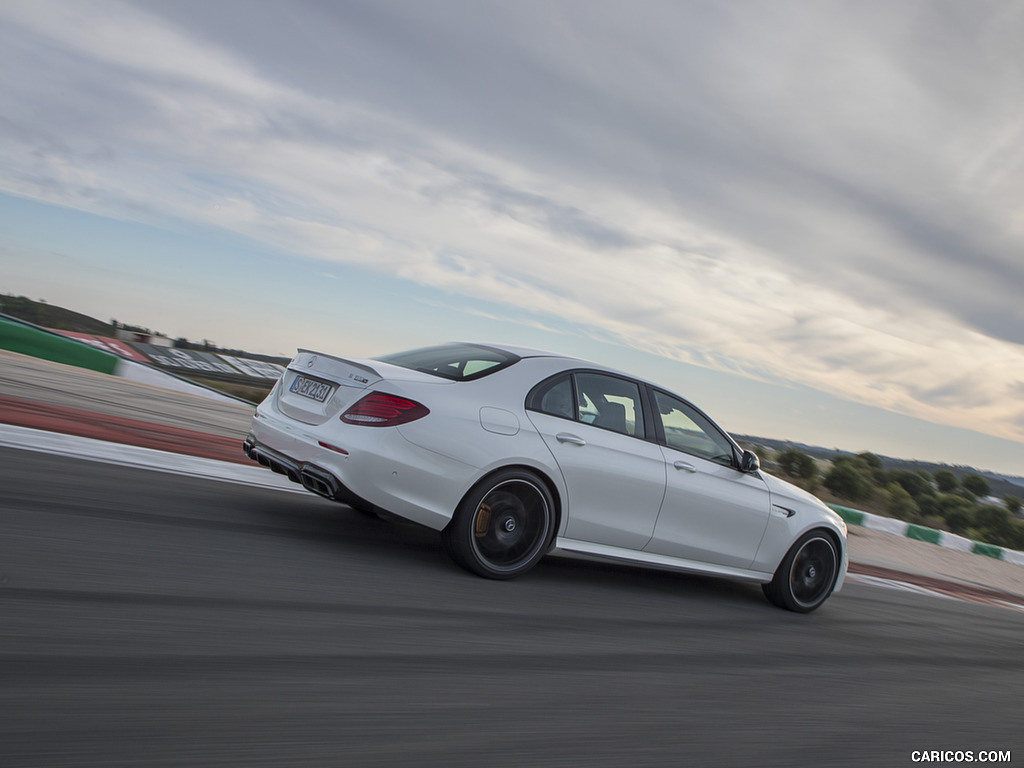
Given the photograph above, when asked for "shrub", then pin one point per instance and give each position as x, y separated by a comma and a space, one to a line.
899, 503
797, 464
874, 465
946, 481
849, 480
917, 484
1015, 539
994, 522
976, 484
929, 506
958, 513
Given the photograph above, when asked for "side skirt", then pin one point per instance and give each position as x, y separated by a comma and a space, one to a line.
588, 551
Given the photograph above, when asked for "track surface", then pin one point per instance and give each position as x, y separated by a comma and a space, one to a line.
154, 620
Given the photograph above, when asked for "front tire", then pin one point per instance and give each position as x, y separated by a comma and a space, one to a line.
807, 574
503, 527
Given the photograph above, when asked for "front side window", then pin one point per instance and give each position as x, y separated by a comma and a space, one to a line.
687, 430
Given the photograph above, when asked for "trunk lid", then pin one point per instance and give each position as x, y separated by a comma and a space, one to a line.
317, 387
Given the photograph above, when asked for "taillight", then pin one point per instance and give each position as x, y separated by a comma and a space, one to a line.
380, 410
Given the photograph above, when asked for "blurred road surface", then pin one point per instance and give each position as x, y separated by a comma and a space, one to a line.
148, 619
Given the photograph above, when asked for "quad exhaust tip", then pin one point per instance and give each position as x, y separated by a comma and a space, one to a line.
319, 482
312, 478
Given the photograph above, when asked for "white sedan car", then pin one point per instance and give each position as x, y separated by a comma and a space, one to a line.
513, 454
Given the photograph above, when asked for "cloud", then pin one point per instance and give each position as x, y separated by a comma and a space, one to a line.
793, 194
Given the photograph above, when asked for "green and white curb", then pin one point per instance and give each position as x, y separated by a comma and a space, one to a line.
28, 339
931, 535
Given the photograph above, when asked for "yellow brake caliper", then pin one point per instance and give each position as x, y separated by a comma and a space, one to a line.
483, 521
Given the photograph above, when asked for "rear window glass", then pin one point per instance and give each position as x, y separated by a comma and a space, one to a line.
458, 362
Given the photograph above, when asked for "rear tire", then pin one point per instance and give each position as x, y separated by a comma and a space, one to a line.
503, 527
807, 574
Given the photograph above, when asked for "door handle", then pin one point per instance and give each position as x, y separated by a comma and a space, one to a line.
684, 466
565, 437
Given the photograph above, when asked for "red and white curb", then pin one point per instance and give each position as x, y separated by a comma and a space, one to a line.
904, 586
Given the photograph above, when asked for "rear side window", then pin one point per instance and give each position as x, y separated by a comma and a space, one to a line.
458, 362
610, 403
598, 399
554, 397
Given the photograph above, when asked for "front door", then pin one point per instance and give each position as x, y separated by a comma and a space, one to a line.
712, 512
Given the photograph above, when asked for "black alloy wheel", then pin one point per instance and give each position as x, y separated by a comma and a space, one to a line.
807, 574
503, 527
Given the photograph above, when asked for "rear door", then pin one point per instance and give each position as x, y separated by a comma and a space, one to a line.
593, 424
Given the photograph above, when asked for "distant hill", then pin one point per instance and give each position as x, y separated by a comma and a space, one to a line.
58, 318
50, 316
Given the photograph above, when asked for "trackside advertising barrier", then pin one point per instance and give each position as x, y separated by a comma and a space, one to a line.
182, 360
114, 346
931, 535
206, 362
27, 339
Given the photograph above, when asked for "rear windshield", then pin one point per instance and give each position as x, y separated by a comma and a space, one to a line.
458, 362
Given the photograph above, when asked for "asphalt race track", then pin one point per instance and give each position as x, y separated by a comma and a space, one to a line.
148, 619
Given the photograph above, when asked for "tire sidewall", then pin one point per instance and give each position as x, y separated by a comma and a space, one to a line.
459, 534
780, 590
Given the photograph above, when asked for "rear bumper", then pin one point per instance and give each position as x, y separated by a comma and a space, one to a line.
310, 476
367, 468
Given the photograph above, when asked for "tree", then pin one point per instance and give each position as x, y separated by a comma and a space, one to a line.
976, 484
1013, 504
899, 502
796, 463
929, 505
874, 465
870, 459
946, 481
958, 512
994, 523
849, 480
917, 484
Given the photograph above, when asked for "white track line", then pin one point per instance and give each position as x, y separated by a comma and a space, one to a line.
104, 451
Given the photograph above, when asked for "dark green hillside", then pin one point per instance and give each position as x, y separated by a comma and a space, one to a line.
48, 316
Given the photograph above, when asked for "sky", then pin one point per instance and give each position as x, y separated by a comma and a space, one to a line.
808, 218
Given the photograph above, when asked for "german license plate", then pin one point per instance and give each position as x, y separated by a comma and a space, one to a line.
311, 388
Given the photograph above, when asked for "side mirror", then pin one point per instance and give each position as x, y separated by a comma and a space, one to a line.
750, 462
